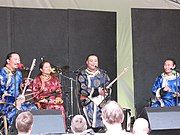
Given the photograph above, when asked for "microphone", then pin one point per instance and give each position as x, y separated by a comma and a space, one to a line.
79, 69
21, 66
53, 70
96, 67
42, 58
102, 70
175, 70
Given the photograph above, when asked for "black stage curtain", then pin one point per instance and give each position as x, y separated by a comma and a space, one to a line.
155, 38
64, 37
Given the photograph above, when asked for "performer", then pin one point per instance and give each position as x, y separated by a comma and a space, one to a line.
47, 89
166, 85
10, 85
93, 82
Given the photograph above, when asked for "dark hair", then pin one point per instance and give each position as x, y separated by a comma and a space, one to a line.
171, 59
42, 64
92, 54
9, 55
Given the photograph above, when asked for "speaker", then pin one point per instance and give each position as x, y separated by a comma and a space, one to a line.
164, 121
47, 121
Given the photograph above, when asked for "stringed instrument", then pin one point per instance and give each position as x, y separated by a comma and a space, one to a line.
99, 99
25, 87
11, 99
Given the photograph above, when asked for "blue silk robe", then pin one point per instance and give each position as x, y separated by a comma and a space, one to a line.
10, 83
89, 81
168, 98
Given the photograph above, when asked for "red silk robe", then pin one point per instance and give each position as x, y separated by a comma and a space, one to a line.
49, 90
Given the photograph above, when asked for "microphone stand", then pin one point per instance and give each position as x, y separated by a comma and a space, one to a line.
69, 115
177, 89
71, 90
76, 73
77, 94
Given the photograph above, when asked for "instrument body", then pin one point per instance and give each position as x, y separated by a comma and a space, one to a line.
91, 84
98, 99
94, 92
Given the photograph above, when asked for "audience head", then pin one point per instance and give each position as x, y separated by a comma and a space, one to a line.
112, 113
78, 124
141, 127
24, 122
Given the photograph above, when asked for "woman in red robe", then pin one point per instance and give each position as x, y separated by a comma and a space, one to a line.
47, 89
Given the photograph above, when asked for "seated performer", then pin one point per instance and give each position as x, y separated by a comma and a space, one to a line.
47, 89
93, 82
10, 85
166, 85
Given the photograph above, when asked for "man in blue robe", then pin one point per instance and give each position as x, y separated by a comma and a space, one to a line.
167, 85
10, 84
93, 82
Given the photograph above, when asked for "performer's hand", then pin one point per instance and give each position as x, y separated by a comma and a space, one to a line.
5, 94
38, 105
43, 100
26, 82
19, 101
176, 94
167, 89
101, 91
59, 100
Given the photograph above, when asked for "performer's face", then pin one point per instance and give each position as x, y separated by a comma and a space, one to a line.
13, 61
46, 69
92, 63
168, 66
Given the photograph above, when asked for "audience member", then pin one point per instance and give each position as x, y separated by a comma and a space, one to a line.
24, 122
141, 127
113, 116
78, 124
